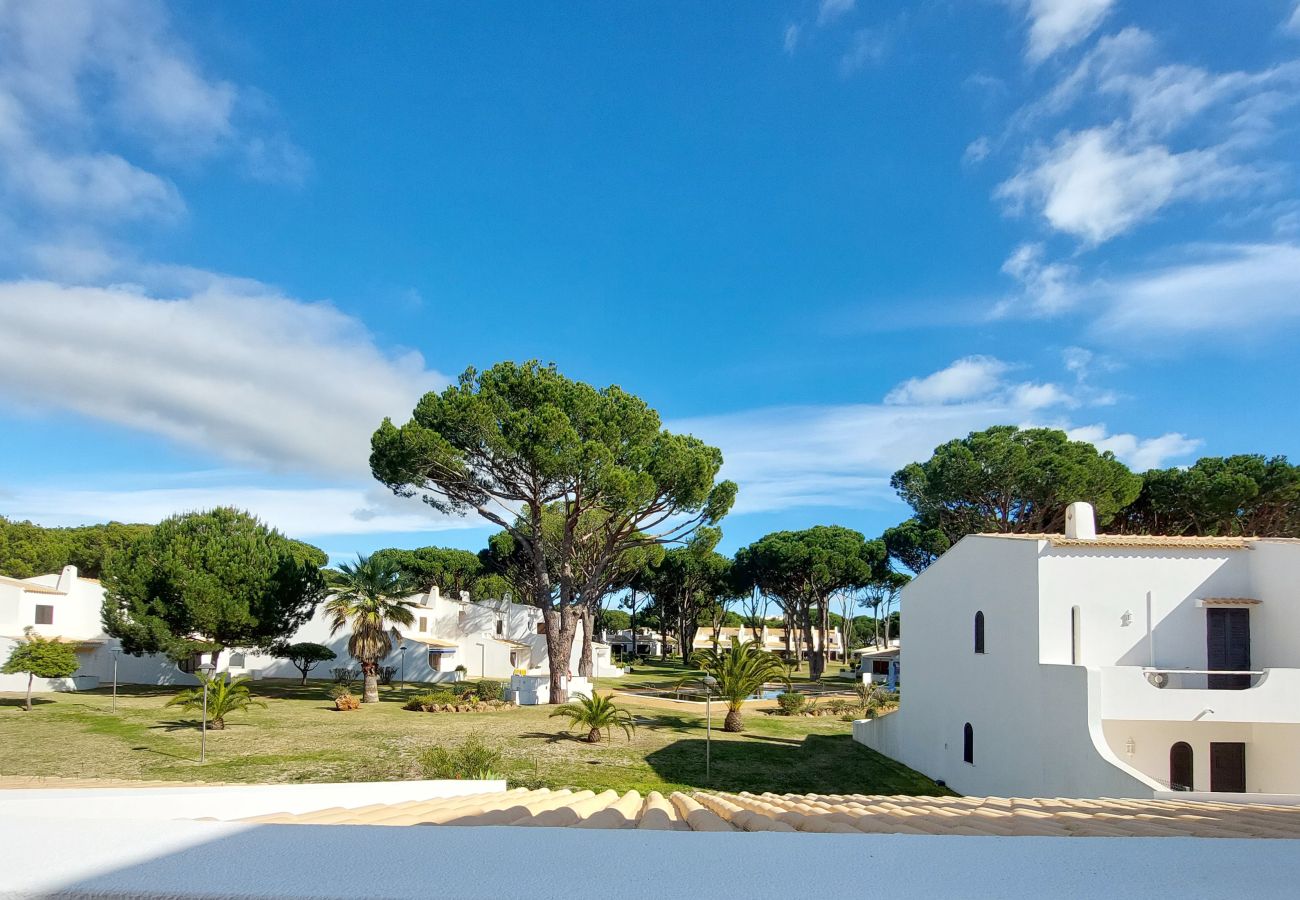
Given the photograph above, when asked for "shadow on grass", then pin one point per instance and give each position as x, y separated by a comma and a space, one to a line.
181, 757
20, 703
557, 737
820, 763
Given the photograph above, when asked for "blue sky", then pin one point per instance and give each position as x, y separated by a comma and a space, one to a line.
826, 236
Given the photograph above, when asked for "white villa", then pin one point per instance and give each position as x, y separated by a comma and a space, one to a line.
495, 639
1086, 665
772, 639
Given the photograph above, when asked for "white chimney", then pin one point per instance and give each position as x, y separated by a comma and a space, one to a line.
1079, 521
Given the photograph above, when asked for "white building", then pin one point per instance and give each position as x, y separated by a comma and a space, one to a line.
494, 639
1087, 665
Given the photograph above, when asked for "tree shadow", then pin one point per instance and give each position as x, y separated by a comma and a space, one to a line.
21, 703
819, 763
557, 737
164, 753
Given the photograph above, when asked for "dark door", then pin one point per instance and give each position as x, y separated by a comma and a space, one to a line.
1180, 766
1227, 638
1228, 767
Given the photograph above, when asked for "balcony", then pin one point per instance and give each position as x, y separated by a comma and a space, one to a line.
1184, 695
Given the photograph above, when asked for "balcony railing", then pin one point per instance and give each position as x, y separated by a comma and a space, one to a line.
1202, 679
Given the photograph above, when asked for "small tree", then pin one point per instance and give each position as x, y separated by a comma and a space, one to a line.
368, 596
596, 714
740, 671
305, 656
40, 657
225, 695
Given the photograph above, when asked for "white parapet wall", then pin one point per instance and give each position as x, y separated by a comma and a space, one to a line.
225, 802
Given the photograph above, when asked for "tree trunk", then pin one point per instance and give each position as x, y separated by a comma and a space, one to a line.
807, 628
663, 639
585, 667
733, 721
593, 736
30, 677
371, 692
561, 625
823, 637
218, 724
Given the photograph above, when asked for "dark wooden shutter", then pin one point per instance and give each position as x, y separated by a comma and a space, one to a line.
1228, 767
979, 632
1227, 645
968, 744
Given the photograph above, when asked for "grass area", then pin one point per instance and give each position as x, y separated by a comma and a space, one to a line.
299, 737
669, 671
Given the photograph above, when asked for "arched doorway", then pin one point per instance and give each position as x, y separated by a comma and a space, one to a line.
1180, 766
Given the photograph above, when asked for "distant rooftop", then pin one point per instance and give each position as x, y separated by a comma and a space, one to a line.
1144, 540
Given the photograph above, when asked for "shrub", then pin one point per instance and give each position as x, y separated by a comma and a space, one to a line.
430, 701
462, 688
472, 759
490, 690
838, 705
223, 695
791, 703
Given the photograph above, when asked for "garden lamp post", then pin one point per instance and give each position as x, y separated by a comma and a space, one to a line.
401, 645
115, 652
207, 669
709, 684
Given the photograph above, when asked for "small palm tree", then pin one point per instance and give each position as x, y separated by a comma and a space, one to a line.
366, 596
225, 696
739, 672
596, 714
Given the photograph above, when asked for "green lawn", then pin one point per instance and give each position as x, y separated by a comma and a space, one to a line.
669, 671
300, 737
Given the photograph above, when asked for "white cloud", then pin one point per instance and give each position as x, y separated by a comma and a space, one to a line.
305, 513
1139, 454
74, 75
233, 369
1292, 23
1048, 287
1094, 185
843, 456
977, 151
965, 379
1056, 25
830, 10
791, 39
868, 48
1222, 290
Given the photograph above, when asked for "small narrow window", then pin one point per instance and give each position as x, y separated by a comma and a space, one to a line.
44, 615
501, 627
435, 661
460, 617
541, 628
968, 744
979, 632
424, 623
1076, 636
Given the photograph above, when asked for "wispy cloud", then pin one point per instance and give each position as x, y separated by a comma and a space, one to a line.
234, 369
1056, 25
843, 456
831, 10
1139, 453
1218, 291
791, 40
72, 76
868, 47
301, 512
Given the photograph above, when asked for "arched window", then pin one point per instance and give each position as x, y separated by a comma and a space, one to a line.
1076, 636
1180, 766
979, 632
968, 744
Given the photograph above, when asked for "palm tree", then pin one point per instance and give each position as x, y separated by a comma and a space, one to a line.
596, 714
739, 671
366, 596
225, 696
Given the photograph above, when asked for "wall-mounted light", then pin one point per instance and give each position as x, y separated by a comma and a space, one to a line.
1130, 747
